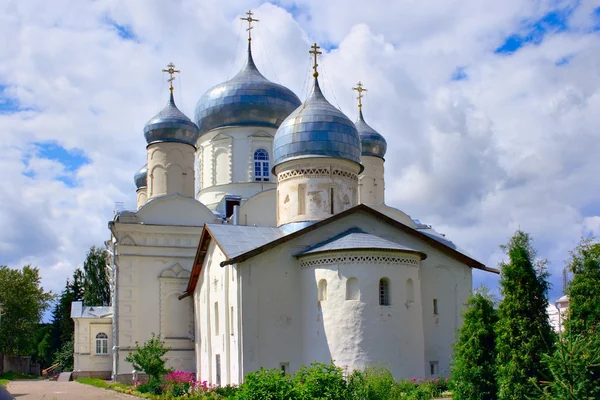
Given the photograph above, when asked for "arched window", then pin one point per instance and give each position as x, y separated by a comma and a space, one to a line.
352, 289
322, 290
410, 292
102, 343
261, 165
384, 292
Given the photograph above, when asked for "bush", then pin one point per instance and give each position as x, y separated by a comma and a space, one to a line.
153, 386
178, 383
149, 358
320, 381
266, 384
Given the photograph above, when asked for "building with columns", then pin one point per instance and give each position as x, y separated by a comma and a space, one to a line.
262, 238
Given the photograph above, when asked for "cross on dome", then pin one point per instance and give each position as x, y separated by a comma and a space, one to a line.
250, 21
360, 89
315, 51
171, 71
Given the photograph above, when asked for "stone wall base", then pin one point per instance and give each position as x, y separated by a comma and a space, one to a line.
106, 375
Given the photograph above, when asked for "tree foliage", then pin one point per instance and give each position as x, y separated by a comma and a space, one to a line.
584, 289
473, 364
574, 367
149, 358
23, 301
96, 279
523, 330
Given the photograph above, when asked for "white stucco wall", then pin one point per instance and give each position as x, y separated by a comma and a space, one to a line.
305, 186
371, 184
217, 330
280, 307
225, 162
358, 333
142, 197
170, 169
259, 210
154, 263
85, 357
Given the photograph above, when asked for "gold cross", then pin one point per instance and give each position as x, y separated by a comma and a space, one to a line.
250, 21
315, 51
171, 71
359, 88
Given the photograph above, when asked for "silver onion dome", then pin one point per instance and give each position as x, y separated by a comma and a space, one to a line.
171, 125
141, 177
373, 144
248, 99
316, 129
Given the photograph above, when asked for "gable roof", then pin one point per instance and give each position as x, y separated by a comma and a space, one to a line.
239, 239
357, 239
361, 208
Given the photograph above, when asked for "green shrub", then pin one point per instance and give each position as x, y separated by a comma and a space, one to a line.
379, 382
320, 381
153, 386
266, 384
149, 358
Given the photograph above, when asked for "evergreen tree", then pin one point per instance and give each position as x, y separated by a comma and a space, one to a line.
523, 330
23, 302
584, 289
473, 364
62, 324
97, 284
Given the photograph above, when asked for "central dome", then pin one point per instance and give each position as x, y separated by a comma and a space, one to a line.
248, 99
316, 129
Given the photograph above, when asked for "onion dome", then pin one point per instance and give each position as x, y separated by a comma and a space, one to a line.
373, 144
141, 177
316, 129
248, 99
171, 125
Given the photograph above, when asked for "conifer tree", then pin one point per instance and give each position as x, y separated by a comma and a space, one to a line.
96, 282
523, 330
473, 364
584, 289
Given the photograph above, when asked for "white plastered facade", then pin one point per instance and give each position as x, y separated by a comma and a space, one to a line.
270, 312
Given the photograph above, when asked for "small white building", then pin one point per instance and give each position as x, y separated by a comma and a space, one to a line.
92, 342
262, 239
557, 313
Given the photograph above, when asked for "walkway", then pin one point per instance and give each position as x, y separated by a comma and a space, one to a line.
50, 390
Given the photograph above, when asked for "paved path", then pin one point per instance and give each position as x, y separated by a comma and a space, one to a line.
51, 390
4, 395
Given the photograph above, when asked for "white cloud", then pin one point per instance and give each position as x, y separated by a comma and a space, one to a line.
513, 145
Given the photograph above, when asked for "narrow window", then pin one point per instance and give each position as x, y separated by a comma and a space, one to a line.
384, 292
433, 367
261, 165
218, 369
352, 289
217, 318
231, 323
301, 199
435, 307
410, 292
322, 290
331, 201
285, 368
102, 343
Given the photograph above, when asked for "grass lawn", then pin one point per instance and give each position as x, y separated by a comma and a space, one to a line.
4, 382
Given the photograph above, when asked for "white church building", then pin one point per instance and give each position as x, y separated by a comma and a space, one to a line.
262, 239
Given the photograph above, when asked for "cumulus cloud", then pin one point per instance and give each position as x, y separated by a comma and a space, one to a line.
483, 141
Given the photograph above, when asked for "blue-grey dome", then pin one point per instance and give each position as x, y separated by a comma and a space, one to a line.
316, 129
141, 177
171, 125
373, 144
248, 99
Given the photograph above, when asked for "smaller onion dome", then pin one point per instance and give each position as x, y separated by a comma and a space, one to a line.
171, 125
141, 177
316, 129
373, 144
247, 99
